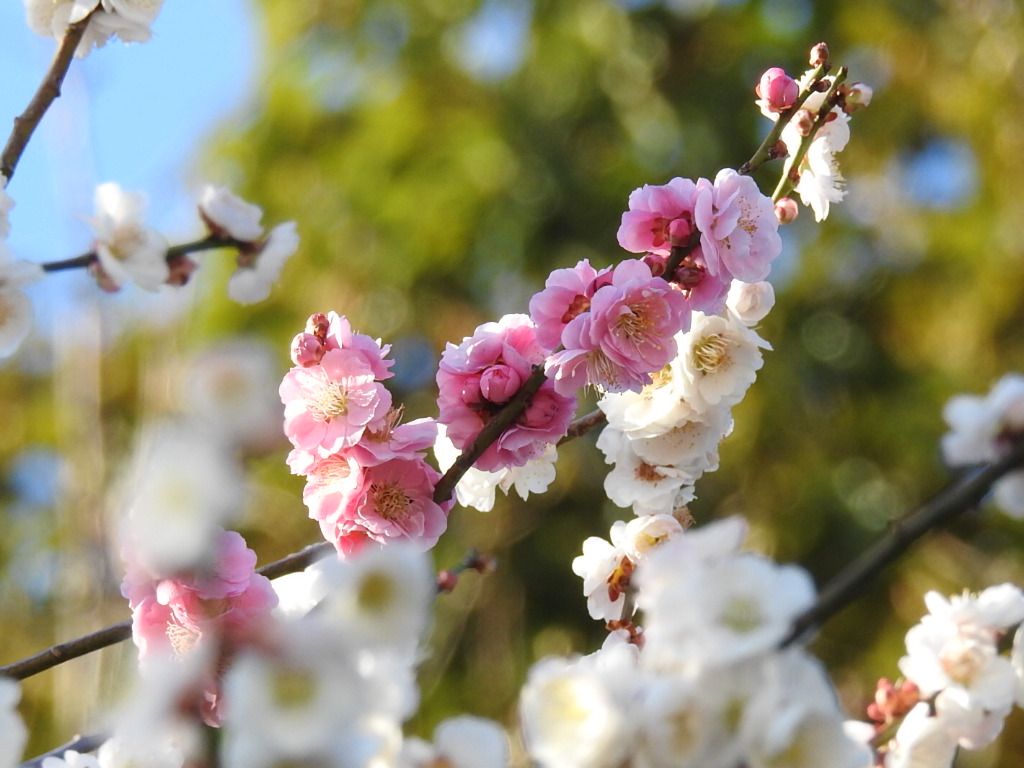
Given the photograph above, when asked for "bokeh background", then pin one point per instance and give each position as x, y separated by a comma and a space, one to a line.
440, 157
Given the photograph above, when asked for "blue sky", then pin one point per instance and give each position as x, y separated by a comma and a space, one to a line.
135, 114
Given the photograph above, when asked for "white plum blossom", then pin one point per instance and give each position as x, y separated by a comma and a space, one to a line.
459, 742
820, 183
228, 215
72, 759
648, 488
13, 733
657, 408
15, 306
576, 713
130, 20
690, 446
983, 429
6, 204
922, 741
259, 268
605, 566
113, 754
127, 250
476, 488
182, 488
720, 357
720, 611
380, 598
750, 303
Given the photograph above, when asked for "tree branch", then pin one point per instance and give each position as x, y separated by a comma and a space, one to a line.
958, 498
208, 243
116, 633
49, 90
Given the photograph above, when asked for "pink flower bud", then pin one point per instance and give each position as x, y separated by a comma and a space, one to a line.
786, 210
803, 120
499, 383
777, 90
317, 325
307, 350
857, 97
819, 55
447, 581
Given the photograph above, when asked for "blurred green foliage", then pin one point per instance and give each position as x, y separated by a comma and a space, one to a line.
441, 156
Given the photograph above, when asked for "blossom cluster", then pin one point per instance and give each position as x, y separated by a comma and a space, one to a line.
958, 687
328, 679
983, 429
128, 20
366, 476
702, 684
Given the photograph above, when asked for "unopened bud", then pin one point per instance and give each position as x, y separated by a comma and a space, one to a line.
858, 96
306, 350
317, 325
786, 210
819, 55
656, 263
447, 581
803, 121
180, 269
777, 90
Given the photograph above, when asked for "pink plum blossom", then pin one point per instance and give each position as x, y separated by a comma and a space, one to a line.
659, 217
567, 294
329, 405
175, 613
776, 91
626, 335
476, 378
739, 229
393, 500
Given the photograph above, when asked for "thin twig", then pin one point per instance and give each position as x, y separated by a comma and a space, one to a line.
78, 744
958, 498
48, 91
208, 243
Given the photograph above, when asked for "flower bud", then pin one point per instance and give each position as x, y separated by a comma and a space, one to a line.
803, 121
786, 210
750, 302
777, 90
180, 269
307, 350
499, 383
819, 55
317, 325
858, 96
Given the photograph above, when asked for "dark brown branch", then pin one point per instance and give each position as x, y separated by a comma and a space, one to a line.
174, 252
958, 498
78, 744
492, 430
584, 424
116, 633
48, 91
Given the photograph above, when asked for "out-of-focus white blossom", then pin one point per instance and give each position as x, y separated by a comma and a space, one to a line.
983, 429
182, 489
228, 215
13, 733
750, 302
15, 306
380, 598
72, 759
459, 742
130, 20
921, 742
6, 203
258, 269
128, 251
231, 389
576, 713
